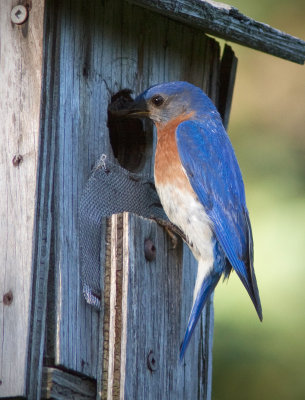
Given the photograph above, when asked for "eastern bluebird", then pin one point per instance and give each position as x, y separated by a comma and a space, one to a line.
200, 187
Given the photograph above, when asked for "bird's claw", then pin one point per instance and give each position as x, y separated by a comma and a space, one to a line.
172, 230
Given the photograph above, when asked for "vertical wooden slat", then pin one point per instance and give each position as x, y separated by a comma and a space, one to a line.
20, 88
228, 69
149, 306
43, 287
77, 142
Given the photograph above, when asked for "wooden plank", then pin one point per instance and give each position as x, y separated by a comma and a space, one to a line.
72, 324
42, 290
227, 79
61, 385
20, 87
148, 307
105, 262
228, 23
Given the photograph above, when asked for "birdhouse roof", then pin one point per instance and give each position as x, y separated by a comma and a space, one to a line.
228, 23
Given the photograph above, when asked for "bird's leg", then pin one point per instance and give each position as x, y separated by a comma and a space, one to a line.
172, 230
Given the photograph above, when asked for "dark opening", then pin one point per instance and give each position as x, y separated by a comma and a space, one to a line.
130, 138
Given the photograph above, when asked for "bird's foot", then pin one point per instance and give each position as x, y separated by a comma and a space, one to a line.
172, 230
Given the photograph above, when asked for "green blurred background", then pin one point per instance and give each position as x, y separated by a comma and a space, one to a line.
254, 360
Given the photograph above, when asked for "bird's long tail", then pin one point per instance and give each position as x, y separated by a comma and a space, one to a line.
205, 289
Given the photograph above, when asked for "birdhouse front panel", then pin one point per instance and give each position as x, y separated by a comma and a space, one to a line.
95, 50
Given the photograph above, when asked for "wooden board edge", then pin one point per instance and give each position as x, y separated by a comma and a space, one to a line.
62, 385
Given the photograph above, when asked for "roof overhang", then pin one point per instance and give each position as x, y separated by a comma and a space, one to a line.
228, 23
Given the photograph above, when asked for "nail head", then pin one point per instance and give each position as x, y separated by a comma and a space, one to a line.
149, 250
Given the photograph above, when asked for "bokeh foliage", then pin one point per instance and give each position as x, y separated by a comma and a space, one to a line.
254, 360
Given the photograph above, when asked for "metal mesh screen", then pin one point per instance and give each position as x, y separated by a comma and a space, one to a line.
110, 190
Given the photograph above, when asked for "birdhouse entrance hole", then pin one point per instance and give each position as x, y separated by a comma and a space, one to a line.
131, 139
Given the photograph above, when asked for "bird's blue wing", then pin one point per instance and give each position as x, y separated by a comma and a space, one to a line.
212, 169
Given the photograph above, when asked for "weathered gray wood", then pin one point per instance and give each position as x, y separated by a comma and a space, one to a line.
60, 385
20, 88
147, 305
228, 23
42, 292
72, 324
100, 48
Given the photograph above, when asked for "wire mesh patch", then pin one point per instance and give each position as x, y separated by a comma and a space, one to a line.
110, 190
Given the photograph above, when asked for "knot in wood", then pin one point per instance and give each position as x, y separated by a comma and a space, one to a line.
151, 361
17, 160
8, 298
149, 250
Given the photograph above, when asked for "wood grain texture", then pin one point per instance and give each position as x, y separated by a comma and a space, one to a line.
228, 23
43, 290
20, 88
149, 305
60, 385
72, 326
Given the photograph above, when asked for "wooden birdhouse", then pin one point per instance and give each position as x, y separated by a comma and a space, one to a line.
76, 181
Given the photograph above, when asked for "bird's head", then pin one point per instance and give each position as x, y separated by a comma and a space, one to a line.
166, 101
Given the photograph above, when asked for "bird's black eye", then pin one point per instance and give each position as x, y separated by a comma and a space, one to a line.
157, 100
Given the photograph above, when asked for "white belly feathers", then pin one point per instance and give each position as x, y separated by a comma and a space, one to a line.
184, 210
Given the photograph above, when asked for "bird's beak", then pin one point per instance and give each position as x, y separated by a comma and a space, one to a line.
137, 109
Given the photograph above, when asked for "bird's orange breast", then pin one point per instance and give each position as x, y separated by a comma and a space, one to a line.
168, 167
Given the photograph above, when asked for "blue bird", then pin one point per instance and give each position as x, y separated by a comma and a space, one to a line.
200, 187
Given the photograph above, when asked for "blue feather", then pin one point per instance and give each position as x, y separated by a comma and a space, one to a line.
208, 285
205, 291
212, 169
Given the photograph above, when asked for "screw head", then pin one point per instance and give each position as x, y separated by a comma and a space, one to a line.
149, 250
19, 15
